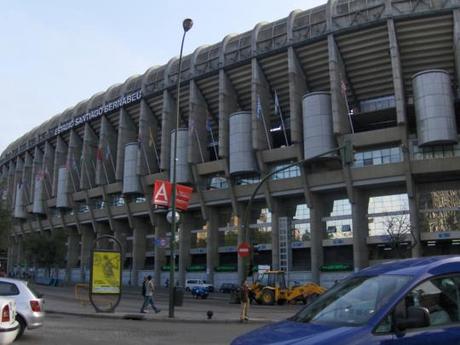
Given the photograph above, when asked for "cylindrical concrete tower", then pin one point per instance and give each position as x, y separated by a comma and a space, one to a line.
317, 124
242, 158
182, 167
434, 108
62, 188
130, 177
19, 208
37, 206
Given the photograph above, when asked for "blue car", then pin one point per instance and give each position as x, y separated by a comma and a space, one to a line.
200, 292
413, 301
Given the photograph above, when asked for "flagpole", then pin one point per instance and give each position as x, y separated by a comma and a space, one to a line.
343, 88
87, 174
152, 140
259, 107
69, 171
213, 141
278, 108
199, 144
141, 144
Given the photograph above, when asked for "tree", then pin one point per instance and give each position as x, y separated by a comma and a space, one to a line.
46, 251
5, 219
400, 231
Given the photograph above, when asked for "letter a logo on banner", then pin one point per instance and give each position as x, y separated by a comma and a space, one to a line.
162, 193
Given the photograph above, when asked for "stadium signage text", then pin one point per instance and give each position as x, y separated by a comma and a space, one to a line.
98, 112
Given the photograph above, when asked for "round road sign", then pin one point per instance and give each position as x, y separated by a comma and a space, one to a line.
243, 249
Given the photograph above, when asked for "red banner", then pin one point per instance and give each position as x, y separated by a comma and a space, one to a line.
163, 191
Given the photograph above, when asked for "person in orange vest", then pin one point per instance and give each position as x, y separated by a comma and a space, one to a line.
244, 301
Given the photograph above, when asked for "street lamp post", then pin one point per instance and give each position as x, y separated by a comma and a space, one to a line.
346, 153
187, 25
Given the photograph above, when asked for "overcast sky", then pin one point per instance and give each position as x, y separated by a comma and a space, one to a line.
57, 53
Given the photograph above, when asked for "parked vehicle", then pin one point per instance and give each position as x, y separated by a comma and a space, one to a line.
9, 327
413, 301
228, 287
191, 283
200, 292
270, 288
29, 304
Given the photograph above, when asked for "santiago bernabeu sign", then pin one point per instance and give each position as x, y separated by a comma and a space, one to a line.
98, 112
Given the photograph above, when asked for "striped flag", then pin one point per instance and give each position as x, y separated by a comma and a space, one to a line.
99, 154
258, 108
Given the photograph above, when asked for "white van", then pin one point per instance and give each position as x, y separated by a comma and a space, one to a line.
191, 283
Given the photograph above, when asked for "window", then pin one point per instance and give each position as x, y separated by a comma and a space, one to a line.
217, 182
242, 180
354, 301
293, 171
8, 289
440, 296
377, 157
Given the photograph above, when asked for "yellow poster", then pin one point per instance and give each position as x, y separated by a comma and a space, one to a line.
106, 273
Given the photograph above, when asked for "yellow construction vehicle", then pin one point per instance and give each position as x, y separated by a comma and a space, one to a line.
270, 288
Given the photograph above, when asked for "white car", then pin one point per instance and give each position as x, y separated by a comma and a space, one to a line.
9, 327
29, 303
191, 283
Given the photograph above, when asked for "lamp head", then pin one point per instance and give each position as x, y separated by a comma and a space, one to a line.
187, 24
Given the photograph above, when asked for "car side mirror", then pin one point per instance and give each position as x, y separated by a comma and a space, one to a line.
417, 317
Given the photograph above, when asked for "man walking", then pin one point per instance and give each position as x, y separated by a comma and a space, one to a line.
244, 301
149, 289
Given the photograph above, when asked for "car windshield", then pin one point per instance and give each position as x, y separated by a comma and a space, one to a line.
354, 301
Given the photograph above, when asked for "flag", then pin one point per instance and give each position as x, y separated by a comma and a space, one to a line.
277, 104
258, 108
107, 152
151, 138
74, 163
343, 88
99, 154
208, 125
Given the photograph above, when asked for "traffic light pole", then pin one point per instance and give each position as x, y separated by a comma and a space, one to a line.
346, 154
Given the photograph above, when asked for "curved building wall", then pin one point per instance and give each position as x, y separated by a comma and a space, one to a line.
317, 124
242, 158
182, 167
130, 177
434, 108
37, 206
19, 207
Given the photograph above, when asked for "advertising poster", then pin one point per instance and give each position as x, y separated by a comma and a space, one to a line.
106, 272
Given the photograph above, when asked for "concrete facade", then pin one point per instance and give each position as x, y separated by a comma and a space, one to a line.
396, 199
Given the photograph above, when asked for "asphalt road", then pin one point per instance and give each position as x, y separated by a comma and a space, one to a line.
74, 330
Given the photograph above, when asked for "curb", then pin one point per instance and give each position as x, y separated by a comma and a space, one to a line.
142, 317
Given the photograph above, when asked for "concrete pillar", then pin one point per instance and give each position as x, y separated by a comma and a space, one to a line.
73, 252
87, 241
148, 158
11, 254
297, 89
161, 228
360, 230
138, 255
415, 226
228, 104
320, 208
27, 179
121, 232
88, 164
198, 134
127, 133
260, 94
168, 117
212, 245
73, 160
184, 246
48, 169
456, 19
107, 153
60, 156
340, 120
398, 81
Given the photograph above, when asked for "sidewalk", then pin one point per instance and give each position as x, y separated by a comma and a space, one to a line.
62, 300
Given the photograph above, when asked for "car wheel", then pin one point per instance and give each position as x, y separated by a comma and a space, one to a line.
22, 326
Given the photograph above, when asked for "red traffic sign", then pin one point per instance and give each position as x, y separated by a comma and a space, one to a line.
163, 191
243, 249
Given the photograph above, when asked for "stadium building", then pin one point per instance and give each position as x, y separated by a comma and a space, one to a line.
381, 74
